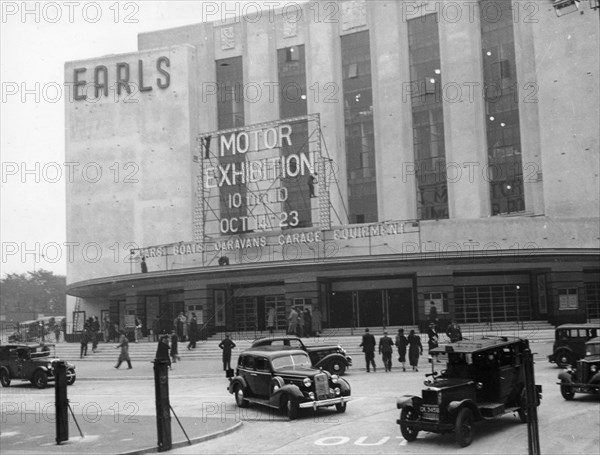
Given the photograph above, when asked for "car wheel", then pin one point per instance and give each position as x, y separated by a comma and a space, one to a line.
566, 391
238, 392
336, 367
464, 427
290, 407
4, 378
408, 413
40, 379
563, 358
71, 377
340, 407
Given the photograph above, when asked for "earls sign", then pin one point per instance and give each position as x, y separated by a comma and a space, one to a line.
119, 80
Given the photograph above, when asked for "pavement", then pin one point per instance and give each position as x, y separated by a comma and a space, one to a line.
136, 437
32, 432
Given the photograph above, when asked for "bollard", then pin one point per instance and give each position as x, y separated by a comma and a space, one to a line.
61, 401
163, 405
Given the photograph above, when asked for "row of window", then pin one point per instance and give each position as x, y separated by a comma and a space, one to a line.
502, 120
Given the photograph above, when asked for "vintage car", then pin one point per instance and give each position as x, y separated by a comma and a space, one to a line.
284, 379
329, 357
30, 362
584, 377
484, 378
569, 342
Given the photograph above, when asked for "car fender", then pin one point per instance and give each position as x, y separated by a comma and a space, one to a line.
595, 379
288, 389
335, 355
4, 368
565, 376
409, 400
237, 380
344, 386
455, 406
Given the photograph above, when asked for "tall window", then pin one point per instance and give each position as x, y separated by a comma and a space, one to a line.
230, 112
292, 103
502, 107
358, 116
428, 117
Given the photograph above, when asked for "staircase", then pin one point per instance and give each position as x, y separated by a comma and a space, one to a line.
348, 338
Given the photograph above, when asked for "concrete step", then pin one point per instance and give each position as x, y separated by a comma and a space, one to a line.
349, 339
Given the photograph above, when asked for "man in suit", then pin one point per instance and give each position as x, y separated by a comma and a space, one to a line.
368, 345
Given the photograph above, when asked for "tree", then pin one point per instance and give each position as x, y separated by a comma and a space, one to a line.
33, 292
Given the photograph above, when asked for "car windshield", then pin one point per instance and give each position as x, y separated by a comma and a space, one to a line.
291, 361
592, 349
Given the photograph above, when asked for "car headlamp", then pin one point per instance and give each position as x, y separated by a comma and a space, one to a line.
593, 368
334, 378
311, 395
307, 382
337, 391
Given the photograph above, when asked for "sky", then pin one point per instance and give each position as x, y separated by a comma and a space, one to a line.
36, 39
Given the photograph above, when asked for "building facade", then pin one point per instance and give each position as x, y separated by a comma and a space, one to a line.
368, 160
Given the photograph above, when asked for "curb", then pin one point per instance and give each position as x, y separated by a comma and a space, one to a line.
194, 441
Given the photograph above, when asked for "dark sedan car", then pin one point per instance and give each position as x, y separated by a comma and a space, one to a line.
284, 379
30, 362
330, 357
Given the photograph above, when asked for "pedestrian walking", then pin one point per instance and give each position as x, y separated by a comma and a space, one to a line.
300, 327
308, 331
401, 344
368, 345
156, 328
162, 351
432, 339
433, 314
106, 328
453, 332
415, 349
316, 321
192, 332
227, 345
138, 329
57, 332
386, 349
174, 347
184, 326
271, 319
85, 339
95, 333
292, 321
124, 355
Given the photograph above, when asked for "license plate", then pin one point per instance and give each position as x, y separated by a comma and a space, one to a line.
430, 412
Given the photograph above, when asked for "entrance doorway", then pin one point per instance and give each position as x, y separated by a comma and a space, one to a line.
372, 308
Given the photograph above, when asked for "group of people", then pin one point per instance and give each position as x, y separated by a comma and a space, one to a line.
301, 322
90, 333
411, 344
185, 326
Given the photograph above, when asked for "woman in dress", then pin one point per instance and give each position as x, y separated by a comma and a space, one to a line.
415, 349
401, 344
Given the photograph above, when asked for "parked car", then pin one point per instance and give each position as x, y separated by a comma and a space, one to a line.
30, 362
284, 379
584, 377
329, 357
569, 342
484, 378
